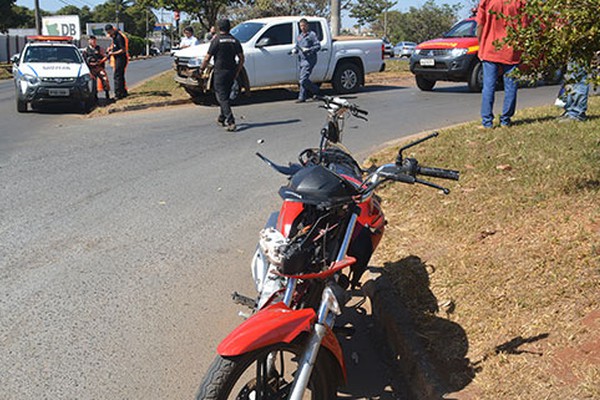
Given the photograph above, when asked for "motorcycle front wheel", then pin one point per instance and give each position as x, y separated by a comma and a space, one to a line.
263, 374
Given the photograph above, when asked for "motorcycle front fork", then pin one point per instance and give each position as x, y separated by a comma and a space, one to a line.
328, 309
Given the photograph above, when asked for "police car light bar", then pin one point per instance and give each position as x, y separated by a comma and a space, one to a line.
46, 38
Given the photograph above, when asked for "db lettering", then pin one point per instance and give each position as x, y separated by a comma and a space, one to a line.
68, 29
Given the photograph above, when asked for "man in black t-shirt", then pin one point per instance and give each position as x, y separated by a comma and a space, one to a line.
224, 48
119, 51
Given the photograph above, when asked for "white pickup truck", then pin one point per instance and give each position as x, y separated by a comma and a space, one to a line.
267, 45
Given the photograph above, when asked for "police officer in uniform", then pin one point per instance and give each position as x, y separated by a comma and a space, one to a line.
118, 51
224, 48
307, 46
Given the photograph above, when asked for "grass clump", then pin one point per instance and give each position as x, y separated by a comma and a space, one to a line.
5, 71
503, 275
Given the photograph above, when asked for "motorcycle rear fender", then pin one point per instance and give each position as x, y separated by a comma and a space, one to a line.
276, 323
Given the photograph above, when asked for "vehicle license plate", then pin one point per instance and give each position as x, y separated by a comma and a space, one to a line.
427, 62
58, 92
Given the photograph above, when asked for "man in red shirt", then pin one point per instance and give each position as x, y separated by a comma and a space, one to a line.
491, 29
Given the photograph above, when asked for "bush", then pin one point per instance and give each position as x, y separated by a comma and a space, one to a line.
137, 45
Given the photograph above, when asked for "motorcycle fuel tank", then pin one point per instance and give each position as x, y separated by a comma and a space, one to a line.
319, 186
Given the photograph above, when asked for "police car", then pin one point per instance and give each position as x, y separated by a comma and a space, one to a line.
50, 69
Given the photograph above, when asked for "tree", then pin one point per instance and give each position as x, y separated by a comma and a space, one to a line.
248, 9
396, 26
84, 13
206, 11
368, 11
558, 32
6, 15
429, 21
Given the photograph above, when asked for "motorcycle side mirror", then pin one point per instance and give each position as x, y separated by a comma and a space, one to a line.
400, 158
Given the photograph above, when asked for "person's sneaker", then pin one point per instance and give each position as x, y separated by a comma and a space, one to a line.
559, 103
231, 128
220, 122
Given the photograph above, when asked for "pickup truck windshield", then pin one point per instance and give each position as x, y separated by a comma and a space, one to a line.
244, 32
462, 29
52, 54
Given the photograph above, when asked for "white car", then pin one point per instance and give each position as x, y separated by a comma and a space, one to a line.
52, 70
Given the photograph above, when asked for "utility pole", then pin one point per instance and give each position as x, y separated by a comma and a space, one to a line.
147, 33
38, 25
335, 17
117, 13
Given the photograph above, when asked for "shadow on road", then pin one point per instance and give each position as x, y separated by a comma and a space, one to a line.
369, 375
260, 96
245, 126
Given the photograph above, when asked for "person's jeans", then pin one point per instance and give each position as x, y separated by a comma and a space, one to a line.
307, 87
490, 76
576, 102
223, 81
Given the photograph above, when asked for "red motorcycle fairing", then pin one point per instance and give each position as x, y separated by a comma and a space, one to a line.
276, 323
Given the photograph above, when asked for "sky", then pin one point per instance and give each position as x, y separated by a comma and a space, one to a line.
401, 5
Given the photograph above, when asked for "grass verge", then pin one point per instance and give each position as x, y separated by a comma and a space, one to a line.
503, 275
158, 91
5, 71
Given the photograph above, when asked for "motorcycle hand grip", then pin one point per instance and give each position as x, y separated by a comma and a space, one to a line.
365, 112
439, 173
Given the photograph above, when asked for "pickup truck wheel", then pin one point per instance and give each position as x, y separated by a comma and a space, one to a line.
21, 105
347, 78
476, 78
424, 84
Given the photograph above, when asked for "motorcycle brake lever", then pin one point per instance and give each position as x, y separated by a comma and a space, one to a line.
433, 185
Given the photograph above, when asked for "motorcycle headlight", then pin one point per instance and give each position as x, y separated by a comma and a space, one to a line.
195, 62
458, 52
30, 79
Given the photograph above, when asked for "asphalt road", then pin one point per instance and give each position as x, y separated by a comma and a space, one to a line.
121, 237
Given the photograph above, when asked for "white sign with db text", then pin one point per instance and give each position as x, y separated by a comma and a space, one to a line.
62, 25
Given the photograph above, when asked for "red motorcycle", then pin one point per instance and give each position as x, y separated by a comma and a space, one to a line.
309, 254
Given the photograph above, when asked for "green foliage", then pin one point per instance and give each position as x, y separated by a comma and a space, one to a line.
6, 14
206, 11
368, 11
85, 14
558, 32
137, 45
249, 9
418, 24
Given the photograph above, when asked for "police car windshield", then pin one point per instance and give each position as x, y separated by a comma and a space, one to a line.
244, 32
462, 29
52, 54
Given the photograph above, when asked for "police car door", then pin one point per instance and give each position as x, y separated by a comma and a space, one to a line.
273, 64
323, 56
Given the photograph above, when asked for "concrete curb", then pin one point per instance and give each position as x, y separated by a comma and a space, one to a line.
394, 322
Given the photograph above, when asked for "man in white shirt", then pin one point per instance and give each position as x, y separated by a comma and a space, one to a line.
188, 40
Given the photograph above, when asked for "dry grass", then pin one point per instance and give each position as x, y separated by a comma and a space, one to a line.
503, 275
157, 91
5, 71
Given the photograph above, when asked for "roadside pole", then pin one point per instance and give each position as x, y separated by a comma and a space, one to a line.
335, 17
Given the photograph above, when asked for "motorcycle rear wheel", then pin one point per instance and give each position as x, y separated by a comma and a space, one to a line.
242, 377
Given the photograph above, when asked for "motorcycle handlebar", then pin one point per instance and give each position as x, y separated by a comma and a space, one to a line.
439, 173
